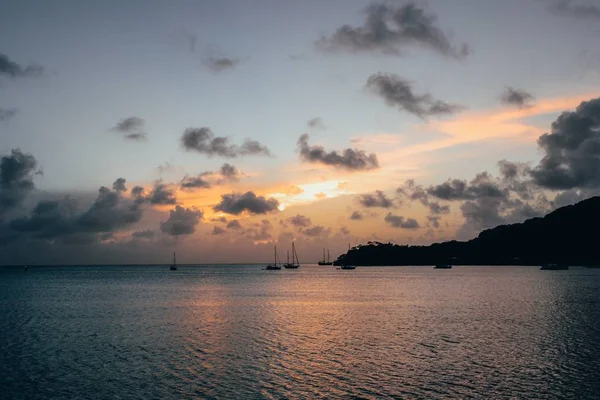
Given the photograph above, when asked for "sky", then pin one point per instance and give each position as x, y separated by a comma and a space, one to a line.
131, 129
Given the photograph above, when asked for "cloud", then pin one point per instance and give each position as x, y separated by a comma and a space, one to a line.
52, 219
237, 203
579, 11
203, 140
516, 97
316, 123
13, 70
455, 189
195, 182
315, 231
221, 64
350, 159
235, 225
137, 137
398, 221
260, 232
230, 172
146, 234
217, 230
389, 29
345, 231
356, 216
378, 199
205, 180
132, 128
433, 220
7, 113
300, 221
119, 185
161, 194
17, 171
182, 221
571, 150
397, 92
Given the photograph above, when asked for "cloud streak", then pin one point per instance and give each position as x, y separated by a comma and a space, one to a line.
203, 141
398, 92
13, 70
516, 97
349, 159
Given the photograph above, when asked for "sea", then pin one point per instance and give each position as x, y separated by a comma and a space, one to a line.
240, 332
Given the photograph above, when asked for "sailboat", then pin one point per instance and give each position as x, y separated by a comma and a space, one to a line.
295, 262
173, 266
275, 266
325, 262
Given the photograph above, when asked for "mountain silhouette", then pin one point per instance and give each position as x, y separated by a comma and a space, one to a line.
567, 235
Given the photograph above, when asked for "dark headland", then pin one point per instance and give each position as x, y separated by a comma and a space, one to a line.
568, 235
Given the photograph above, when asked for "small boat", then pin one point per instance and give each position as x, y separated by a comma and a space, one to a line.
325, 260
295, 264
173, 266
25, 268
275, 266
443, 266
348, 267
554, 267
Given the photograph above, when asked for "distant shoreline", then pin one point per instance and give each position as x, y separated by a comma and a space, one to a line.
262, 264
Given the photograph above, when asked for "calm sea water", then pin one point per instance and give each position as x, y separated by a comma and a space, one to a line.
236, 332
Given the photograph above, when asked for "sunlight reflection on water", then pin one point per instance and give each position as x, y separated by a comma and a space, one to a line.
239, 332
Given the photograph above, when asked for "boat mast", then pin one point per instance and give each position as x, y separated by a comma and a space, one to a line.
174, 260
323, 254
275, 254
327, 255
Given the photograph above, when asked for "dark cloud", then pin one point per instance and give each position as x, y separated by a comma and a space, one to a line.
13, 70
17, 171
7, 113
356, 216
350, 159
132, 128
53, 219
227, 173
397, 92
571, 150
378, 199
516, 97
345, 231
235, 225
119, 185
203, 140
182, 221
300, 221
454, 189
217, 230
390, 28
315, 231
136, 137
316, 123
580, 11
398, 221
161, 194
146, 234
237, 203
221, 64
195, 182
230, 172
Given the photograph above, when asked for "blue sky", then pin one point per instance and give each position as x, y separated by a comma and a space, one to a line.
110, 60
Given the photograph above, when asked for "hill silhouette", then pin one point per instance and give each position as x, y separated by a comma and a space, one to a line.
567, 235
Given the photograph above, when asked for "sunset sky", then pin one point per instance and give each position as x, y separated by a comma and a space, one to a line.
239, 124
